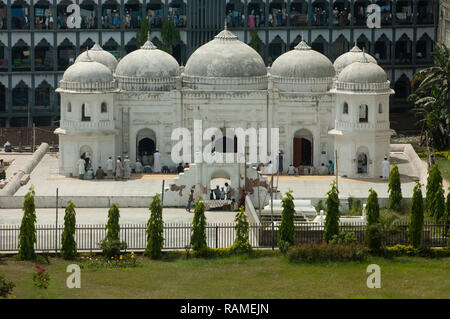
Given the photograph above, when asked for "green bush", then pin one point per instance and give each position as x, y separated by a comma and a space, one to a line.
198, 230
284, 246
416, 223
287, 229
373, 226
435, 201
394, 189
327, 252
155, 230
111, 244
319, 206
68, 244
27, 235
122, 261
410, 251
344, 238
6, 287
355, 207
332, 219
241, 243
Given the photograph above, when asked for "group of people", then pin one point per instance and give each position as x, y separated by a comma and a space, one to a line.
322, 170
120, 169
223, 193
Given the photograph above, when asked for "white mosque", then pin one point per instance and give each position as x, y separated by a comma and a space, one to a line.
131, 107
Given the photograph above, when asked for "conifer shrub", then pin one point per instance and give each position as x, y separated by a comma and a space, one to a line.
155, 230
27, 235
68, 244
198, 230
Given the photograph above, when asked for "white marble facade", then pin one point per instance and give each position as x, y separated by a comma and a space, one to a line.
132, 107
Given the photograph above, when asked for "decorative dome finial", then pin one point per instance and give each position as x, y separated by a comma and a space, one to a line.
302, 45
148, 45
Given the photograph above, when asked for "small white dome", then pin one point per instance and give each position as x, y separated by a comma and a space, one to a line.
354, 55
225, 63
302, 62
363, 72
147, 69
97, 54
363, 77
87, 75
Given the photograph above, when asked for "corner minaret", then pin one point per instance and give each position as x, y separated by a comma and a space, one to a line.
362, 129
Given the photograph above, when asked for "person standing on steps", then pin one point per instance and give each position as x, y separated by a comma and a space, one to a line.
190, 201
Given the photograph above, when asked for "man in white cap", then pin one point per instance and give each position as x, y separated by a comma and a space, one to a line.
109, 168
81, 167
385, 165
119, 168
126, 168
157, 162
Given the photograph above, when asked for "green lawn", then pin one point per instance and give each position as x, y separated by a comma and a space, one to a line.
240, 277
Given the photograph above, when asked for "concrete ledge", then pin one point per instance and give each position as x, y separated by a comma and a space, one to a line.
79, 201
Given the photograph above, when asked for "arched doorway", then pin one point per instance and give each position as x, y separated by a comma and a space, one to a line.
362, 157
145, 146
303, 148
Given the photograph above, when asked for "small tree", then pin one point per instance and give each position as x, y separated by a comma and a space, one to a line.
68, 244
170, 36
155, 229
255, 41
143, 32
287, 230
111, 244
27, 235
198, 230
332, 219
394, 189
416, 222
373, 226
241, 243
435, 200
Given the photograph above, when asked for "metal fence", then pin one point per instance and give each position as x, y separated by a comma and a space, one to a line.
177, 236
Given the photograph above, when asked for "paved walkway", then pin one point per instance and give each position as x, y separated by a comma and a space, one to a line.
45, 179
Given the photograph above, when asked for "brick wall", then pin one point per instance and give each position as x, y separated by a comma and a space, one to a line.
24, 136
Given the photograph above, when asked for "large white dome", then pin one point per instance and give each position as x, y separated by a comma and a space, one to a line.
147, 69
302, 62
97, 54
354, 55
225, 63
302, 69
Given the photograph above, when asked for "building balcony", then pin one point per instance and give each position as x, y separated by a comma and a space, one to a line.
352, 126
87, 125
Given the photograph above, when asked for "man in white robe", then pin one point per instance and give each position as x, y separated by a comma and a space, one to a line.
157, 162
119, 168
126, 168
109, 167
385, 165
81, 168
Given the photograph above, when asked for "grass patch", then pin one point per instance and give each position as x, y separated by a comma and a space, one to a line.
239, 277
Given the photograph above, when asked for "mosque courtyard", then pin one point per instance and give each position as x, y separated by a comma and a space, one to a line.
45, 180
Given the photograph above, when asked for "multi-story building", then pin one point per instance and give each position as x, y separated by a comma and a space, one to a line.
36, 44
444, 23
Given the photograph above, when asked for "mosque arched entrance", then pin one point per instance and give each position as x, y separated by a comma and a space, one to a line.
303, 148
145, 145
